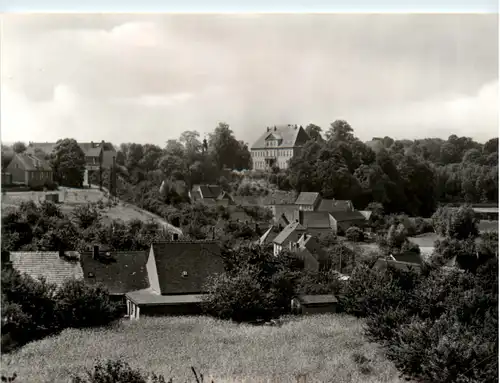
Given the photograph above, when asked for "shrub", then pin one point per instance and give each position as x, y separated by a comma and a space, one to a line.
239, 297
82, 305
354, 234
117, 372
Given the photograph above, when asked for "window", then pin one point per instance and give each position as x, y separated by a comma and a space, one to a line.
184, 274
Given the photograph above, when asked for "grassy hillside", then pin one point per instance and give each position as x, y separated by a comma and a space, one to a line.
324, 348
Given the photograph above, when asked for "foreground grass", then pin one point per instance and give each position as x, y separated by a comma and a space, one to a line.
323, 348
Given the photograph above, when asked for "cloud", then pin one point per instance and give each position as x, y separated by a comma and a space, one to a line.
150, 77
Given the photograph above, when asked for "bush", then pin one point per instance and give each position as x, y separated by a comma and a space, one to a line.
82, 305
238, 297
354, 234
117, 372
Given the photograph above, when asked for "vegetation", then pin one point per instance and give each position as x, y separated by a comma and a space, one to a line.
223, 351
68, 163
32, 309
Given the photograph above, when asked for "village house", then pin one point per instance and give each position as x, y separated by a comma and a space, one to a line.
55, 267
210, 195
288, 237
334, 205
405, 261
119, 271
30, 170
343, 220
307, 201
277, 146
176, 273
309, 250
316, 222
97, 154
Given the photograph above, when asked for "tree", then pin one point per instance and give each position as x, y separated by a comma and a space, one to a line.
458, 224
150, 158
135, 153
19, 147
68, 163
7, 155
224, 147
340, 130
314, 132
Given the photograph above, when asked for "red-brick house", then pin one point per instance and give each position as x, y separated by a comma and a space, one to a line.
30, 170
177, 272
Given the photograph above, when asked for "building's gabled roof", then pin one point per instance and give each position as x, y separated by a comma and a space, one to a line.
291, 232
121, 272
50, 265
307, 198
332, 205
210, 191
315, 219
409, 257
184, 266
317, 299
382, 265
309, 244
93, 152
341, 216
149, 297
31, 163
288, 135
48, 147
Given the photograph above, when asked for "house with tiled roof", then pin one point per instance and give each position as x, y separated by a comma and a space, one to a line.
308, 201
316, 222
177, 272
277, 146
30, 170
335, 205
55, 267
309, 250
119, 271
288, 237
210, 195
405, 261
343, 220
96, 153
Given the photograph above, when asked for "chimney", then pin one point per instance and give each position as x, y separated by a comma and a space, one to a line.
95, 254
275, 128
295, 126
268, 129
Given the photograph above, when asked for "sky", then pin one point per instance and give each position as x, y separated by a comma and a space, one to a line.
147, 78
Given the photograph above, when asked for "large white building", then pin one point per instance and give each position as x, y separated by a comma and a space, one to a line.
277, 146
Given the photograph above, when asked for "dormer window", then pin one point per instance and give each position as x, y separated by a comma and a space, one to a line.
184, 274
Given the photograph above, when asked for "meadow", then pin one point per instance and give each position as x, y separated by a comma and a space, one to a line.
323, 348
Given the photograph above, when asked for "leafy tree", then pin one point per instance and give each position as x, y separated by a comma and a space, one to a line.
340, 130
314, 132
19, 147
457, 224
68, 163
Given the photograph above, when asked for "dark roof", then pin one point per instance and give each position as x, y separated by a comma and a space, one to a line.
93, 152
124, 271
49, 265
382, 264
288, 232
199, 259
48, 147
307, 198
315, 219
331, 205
347, 216
409, 257
288, 136
311, 245
246, 200
288, 211
149, 297
317, 299
210, 191
32, 163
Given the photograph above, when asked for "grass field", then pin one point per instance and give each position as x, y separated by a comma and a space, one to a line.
325, 348
71, 198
